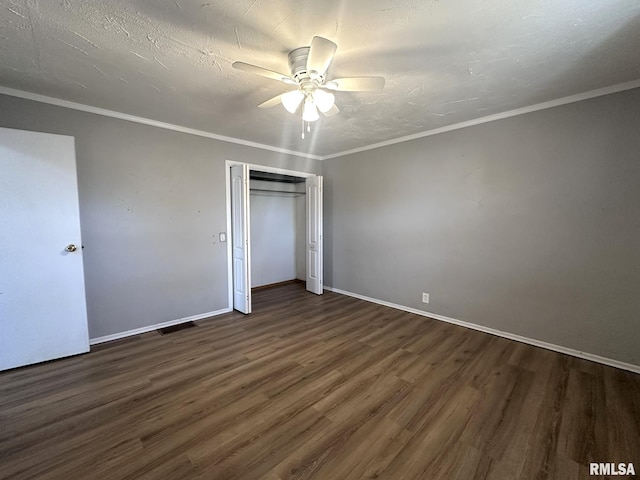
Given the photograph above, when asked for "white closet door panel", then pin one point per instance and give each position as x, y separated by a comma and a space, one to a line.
314, 235
240, 238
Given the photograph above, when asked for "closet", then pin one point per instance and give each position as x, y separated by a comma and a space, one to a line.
284, 210
277, 228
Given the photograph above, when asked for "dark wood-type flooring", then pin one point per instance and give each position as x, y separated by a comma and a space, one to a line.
319, 387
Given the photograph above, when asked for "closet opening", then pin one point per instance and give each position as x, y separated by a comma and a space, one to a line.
277, 229
274, 219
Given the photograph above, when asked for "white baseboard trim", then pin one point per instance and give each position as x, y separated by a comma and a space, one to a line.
511, 336
148, 328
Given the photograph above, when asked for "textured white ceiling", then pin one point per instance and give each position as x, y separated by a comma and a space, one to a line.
445, 61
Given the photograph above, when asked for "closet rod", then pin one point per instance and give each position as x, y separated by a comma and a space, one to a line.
275, 191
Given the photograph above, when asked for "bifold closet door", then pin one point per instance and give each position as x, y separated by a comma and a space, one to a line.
240, 247
314, 234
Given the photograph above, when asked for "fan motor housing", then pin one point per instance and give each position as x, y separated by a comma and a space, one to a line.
298, 66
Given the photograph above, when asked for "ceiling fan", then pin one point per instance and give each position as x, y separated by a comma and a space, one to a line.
313, 91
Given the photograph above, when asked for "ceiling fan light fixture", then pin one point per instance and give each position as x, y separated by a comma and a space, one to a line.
309, 66
292, 100
324, 100
310, 112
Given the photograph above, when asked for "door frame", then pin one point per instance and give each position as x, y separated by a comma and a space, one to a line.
227, 174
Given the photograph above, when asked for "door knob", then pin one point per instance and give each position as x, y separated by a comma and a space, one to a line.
70, 248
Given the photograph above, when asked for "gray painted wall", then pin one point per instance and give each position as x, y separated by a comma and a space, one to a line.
529, 225
152, 202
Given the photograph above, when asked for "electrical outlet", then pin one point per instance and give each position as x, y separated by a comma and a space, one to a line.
425, 298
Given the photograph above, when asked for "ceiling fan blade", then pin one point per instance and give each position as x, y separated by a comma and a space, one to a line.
356, 84
263, 72
321, 54
332, 111
272, 102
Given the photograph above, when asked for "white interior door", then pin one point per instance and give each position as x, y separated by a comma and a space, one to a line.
314, 234
240, 238
43, 313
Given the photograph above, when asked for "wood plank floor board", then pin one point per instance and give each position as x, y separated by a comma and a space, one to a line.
361, 450
583, 431
500, 420
433, 439
316, 387
208, 415
251, 459
336, 350
273, 413
623, 416
540, 460
318, 454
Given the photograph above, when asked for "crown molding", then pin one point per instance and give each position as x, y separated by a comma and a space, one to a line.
620, 87
147, 121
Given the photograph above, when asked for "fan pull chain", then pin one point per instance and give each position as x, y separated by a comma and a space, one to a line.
308, 128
